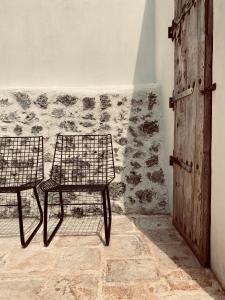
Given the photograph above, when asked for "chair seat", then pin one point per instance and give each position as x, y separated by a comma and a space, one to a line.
52, 186
17, 188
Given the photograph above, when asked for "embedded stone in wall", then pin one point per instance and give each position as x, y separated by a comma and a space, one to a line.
157, 176
89, 117
134, 119
8, 117
119, 169
36, 129
105, 117
145, 195
4, 102
105, 102
136, 103
18, 130
42, 101
149, 128
29, 118
122, 141
152, 161
117, 189
138, 143
23, 99
48, 157
68, 126
135, 165
88, 103
58, 113
139, 154
66, 100
132, 131
152, 100
155, 147
134, 178
105, 127
86, 124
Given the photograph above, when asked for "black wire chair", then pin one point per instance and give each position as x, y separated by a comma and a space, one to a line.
82, 163
21, 168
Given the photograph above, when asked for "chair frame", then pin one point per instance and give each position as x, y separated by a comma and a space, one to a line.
52, 186
18, 189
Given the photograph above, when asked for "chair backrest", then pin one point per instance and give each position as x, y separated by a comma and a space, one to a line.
83, 160
21, 161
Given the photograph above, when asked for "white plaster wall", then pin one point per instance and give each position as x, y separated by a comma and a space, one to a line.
60, 43
164, 53
218, 145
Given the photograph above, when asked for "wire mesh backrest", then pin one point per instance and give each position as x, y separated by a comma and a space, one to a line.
83, 160
21, 160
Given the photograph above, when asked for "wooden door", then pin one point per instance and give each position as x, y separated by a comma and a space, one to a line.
192, 35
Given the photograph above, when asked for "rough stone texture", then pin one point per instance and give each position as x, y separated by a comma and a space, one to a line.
157, 176
67, 100
42, 101
58, 113
23, 99
105, 117
18, 130
145, 196
133, 119
36, 129
68, 126
141, 263
88, 103
131, 270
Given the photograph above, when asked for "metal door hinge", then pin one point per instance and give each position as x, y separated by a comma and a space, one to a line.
208, 89
171, 103
184, 165
170, 32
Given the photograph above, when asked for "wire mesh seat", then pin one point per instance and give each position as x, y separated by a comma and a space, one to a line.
81, 163
21, 168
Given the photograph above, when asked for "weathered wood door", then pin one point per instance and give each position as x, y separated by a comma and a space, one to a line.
191, 160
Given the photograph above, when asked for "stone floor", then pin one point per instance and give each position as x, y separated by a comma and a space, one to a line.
146, 259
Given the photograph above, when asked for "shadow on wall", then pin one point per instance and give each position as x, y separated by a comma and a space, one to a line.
143, 170
145, 68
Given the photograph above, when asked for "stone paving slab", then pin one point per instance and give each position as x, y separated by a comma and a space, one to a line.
146, 259
123, 246
73, 287
131, 270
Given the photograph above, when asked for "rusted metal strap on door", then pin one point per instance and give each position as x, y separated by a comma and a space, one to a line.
208, 89
176, 22
184, 165
180, 96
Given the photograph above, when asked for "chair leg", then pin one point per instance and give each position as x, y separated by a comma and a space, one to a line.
109, 210
47, 239
20, 212
107, 223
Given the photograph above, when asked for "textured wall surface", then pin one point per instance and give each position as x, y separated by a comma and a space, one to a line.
133, 119
218, 146
60, 43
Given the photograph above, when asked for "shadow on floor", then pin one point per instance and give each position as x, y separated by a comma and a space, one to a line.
178, 265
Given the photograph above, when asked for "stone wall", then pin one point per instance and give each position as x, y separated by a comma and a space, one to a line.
133, 119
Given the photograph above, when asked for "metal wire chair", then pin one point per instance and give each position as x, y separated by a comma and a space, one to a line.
81, 163
21, 168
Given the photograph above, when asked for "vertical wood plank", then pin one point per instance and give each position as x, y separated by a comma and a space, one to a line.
192, 126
